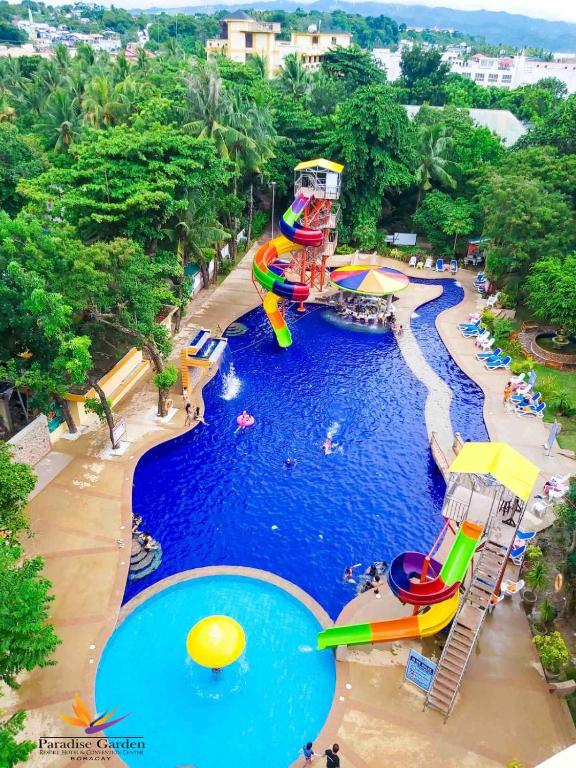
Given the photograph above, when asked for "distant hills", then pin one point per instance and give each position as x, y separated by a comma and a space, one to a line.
495, 27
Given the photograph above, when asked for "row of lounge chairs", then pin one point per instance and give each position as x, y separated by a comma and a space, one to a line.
523, 400
440, 266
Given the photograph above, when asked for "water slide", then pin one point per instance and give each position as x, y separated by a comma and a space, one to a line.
409, 566
265, 272
422, 625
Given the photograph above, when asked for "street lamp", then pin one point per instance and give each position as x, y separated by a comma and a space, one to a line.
273, 185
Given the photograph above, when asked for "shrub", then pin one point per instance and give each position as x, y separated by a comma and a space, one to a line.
553, 652
488, 319
259, 222
344, 249
396, 253
506, 300
502, 330
524, 365
565, 406
548, 386
537, 576
533, 553
547, 613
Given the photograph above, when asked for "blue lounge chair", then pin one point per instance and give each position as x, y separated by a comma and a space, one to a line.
499, 362
531, 410
453, 266
488, 355
439, 265
466, 326
526, 399
516, 553
525, 536
471, 332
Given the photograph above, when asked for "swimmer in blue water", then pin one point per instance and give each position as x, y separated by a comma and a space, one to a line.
289, 463
348, 576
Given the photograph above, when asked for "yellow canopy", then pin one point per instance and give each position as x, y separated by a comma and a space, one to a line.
502, 462
328, 165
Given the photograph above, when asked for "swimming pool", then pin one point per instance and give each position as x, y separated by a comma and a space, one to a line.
258, 711
214, 497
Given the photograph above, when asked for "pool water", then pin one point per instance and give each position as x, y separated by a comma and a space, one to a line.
217, 496
258, 711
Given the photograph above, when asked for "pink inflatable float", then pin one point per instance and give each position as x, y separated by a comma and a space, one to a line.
245, 420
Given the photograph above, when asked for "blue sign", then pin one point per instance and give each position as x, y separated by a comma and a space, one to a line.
420, 671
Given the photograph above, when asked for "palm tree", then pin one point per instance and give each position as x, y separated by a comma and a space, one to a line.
142, 62
104, 104
62, 58
294, 79
195, 236
7, 111
85, 55
434, 148
61, 120
210, 108
170, 50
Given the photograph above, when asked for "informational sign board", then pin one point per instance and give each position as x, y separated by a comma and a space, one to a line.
119, 431
420, 671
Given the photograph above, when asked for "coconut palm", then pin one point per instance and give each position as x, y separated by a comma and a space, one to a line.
434, 148
104, 104
7, 111
210, 108
62, 58
85, 55
294, 79
61, 120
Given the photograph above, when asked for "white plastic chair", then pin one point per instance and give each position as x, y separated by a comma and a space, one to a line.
428, 263
412, 262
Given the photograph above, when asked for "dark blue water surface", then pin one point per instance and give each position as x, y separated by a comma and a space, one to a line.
213, 496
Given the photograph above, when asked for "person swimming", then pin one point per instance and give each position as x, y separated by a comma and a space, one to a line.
289, 463
327, 446
348, 575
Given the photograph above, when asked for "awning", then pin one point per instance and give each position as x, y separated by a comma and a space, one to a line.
320, 162
502, 462
371, 280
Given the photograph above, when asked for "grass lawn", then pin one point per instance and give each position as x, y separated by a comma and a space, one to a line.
565, 380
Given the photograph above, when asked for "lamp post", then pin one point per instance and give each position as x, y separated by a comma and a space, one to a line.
273, 185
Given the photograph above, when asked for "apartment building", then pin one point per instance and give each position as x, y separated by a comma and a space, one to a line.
242, 37
501, 71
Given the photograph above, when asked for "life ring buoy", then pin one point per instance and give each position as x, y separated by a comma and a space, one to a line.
245, 421
558, 582
169, 403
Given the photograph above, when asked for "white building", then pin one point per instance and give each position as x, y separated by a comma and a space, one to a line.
502, 71
502, 122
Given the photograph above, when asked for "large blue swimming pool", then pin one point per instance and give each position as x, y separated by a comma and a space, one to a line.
257, 712
216, 497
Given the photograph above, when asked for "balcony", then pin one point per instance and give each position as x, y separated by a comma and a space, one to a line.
216, 45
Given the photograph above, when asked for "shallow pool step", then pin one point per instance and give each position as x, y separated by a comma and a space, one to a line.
146, 565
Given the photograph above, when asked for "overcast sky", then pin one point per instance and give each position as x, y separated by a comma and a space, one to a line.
564, 10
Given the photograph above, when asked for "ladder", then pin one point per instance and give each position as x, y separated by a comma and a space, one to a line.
467, 625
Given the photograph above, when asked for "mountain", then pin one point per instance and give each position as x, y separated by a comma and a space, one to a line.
495, 27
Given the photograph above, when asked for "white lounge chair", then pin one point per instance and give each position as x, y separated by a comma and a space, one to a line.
428, 263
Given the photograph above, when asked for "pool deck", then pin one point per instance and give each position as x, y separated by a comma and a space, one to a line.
81, 519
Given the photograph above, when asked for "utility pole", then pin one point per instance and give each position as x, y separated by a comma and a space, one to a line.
273, 185
251, 216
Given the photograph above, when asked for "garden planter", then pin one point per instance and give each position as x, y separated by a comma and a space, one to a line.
529, 599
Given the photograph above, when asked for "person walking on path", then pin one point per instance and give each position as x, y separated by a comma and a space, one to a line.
332, 758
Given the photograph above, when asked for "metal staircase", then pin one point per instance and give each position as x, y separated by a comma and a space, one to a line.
467, 623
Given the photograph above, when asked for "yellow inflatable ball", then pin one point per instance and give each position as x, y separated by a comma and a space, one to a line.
215, 641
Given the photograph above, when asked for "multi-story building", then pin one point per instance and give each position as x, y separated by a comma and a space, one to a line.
502, 71
242, 37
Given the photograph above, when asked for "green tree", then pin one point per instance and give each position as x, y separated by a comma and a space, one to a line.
19, 159
27, 640
294, 78
442, 219
371, 135
352, 67
14, 752
525, 222
165, 380
423, 75
552, 291
556, 129
61, 121
17, 482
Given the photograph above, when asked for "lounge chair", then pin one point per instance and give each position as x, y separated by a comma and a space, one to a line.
472, 324
531, 410
412, 262
428, 263
488, 354
526, 400
485, 342
510, 587
472, 332
539, 507
499, 362
524, 536
453, 266
439, 265
517, 553
518, 379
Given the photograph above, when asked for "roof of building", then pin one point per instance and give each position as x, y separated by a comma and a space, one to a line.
502, 462
238, 16
320, 162
500, 121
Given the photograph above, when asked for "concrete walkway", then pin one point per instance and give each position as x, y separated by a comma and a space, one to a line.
82, 518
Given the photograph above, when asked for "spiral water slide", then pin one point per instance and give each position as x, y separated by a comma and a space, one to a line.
270, 275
